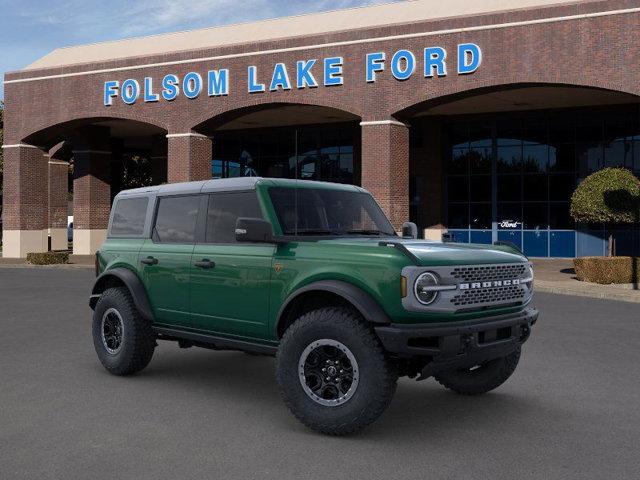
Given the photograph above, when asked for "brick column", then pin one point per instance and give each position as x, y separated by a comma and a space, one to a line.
189, 157
58, 190
159, 159
25, 211
426, 164
91, 199
91, 188
385, 167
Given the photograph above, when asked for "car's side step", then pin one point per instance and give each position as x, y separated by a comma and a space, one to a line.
215, 342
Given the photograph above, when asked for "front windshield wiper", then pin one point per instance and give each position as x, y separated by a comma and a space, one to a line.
316, 231
366, 232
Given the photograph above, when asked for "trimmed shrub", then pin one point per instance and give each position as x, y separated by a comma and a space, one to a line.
607, 270
611, 195
48, 258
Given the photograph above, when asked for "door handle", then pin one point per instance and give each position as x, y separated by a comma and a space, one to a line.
149, 261
205, 263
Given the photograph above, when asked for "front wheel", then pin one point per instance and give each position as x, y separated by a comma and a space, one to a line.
333, 373
480, 378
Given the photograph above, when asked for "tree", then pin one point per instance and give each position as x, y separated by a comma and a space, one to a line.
609, 196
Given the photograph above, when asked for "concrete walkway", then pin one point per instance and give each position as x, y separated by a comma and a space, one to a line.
558, 276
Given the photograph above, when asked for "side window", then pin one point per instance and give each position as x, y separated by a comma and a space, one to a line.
128, 216
224, 209
176, 219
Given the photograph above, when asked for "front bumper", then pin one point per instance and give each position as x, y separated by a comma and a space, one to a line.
448, 346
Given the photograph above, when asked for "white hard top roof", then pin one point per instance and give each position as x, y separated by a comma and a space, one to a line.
226, 185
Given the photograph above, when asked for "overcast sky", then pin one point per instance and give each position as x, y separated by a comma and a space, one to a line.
30, 29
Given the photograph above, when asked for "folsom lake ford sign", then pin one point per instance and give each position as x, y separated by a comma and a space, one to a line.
308, 73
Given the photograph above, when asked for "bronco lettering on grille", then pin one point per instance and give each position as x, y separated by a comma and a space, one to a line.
493, 283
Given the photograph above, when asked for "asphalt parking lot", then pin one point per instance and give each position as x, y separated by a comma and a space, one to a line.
569, 411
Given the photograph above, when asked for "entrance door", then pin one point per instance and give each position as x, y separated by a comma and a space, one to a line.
166, 259
230, 281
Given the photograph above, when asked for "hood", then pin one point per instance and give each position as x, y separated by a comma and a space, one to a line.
436, 253
428, 253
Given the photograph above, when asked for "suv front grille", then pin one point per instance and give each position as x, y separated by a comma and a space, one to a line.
488, 272
496, 295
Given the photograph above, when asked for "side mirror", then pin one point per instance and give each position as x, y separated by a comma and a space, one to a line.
409, 230
254, 230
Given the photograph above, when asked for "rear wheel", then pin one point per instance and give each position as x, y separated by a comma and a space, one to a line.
123, 340
480, 378
333, 373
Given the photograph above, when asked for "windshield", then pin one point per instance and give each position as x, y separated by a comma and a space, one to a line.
316, 211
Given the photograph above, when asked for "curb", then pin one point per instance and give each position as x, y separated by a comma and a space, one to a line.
62, 266
553, 287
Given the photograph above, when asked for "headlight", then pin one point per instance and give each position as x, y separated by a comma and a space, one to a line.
425, 288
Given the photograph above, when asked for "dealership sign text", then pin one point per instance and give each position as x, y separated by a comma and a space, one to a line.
309, 73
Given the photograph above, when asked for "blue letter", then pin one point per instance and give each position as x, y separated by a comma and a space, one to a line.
218, 82
280, 78
333, 71
396, 67
192, 85
304, 77
375, 63
434, 57
149, 96
170, 86
253, 86
469, 58
130, 91
110, 91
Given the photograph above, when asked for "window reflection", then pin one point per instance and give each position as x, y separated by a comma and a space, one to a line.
324, 153
539, 158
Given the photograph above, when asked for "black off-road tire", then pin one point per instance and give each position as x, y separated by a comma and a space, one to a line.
138, 340
482, 379
377, 375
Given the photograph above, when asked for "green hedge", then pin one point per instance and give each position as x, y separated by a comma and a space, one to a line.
611, 195
48, 258
607, 270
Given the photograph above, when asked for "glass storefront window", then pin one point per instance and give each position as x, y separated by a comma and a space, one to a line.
535, 187
324, 153
538, 159
480, 216
589, 157
481, 188
535, 216
509, 187
509, 215
559, 217
480, 159
618, 154
459, 161
458, 189
562, 157
535, 158
458, 215
510, 158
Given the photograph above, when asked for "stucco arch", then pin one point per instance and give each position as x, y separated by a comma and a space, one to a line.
215, 119
46, 136
410, 107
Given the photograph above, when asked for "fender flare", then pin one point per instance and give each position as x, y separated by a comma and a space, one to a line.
361, 300
133, 284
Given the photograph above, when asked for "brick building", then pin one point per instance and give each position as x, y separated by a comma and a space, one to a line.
476, 118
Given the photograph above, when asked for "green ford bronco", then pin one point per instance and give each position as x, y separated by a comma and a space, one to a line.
314, 274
